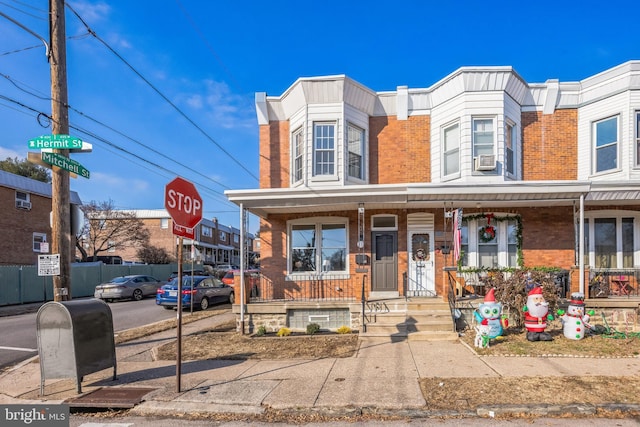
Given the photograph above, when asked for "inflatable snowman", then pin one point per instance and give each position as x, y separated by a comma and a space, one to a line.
489, 313
575, 321
536, 314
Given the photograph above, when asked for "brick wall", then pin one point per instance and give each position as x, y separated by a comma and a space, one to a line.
550, 145
274, 155
399, 150
18, 225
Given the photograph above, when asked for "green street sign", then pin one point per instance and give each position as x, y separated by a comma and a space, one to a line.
65, 163
60, 142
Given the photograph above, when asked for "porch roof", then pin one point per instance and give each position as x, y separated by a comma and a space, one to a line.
427, 195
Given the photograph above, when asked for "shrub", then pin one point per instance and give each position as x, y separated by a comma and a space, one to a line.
312, 328
261, 331
284, 332
343, 330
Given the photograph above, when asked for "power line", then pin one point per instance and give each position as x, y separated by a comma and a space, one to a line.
175, 107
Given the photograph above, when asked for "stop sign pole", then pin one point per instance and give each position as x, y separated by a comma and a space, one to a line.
184, 205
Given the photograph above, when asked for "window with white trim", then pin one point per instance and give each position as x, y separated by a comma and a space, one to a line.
38, 239
206, 231
164, 223
493, 244
609, 239
298, 159
223, 236
605, 149
111, 246
318, 246
483, 137
355, 148
324, 149
451, 150
509, 148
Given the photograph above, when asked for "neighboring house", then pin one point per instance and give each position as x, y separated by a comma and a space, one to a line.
214, 243
363, 187
26, 218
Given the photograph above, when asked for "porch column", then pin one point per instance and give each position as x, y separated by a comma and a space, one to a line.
581, 244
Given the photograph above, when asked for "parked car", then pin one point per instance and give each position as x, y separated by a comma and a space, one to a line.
207, 290
186, 273
229, 277
134, 287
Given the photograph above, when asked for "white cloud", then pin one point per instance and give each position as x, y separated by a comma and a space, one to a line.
91, 12
8, 152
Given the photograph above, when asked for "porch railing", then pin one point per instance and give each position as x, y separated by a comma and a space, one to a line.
613, 283
312, 287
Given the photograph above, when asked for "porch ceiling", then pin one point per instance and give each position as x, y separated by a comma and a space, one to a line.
263, 202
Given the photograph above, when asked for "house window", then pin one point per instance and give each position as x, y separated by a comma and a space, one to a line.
206, 231
23, 200
483, 137
298, 150
38, 240
223, 236
479, 249
451, 150
509, 148
324, 149
606, 144
164, 223
355, 138
609, 241
236, 238
111, 246
318, 247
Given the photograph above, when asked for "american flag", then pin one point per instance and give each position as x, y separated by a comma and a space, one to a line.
457, 234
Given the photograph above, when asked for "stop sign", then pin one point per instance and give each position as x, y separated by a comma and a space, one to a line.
184, 204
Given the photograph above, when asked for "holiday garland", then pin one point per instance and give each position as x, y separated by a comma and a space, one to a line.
485, 230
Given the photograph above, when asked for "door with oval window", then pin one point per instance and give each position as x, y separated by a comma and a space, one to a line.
420, 276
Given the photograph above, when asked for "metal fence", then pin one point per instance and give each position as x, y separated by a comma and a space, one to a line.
610, 283
302, 288
21, 284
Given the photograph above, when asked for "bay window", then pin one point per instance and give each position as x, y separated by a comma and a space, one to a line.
451, 150
298, 150
355, 148
605, 153
509, 149
483, 137
324, 145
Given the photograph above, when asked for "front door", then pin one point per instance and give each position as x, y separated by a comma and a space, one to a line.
421, 266
384, 265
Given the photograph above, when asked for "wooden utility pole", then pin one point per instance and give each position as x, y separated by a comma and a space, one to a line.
60, 198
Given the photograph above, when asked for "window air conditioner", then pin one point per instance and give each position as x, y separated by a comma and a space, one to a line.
485, 162
23, 204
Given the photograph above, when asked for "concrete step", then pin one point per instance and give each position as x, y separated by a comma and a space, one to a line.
413, 336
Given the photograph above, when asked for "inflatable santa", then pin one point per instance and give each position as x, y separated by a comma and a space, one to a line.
489, 313
536, 314
575, 321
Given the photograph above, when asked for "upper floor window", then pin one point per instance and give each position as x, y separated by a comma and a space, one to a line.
164, 222
605, 153
324, 143
298, 150
355, 138
451, 150
223, 236
206, 231
236, 238
38, 240
23, 200
483, 139
637, 138
509, 148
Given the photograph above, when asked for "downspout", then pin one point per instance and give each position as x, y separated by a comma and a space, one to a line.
242, 290
581, 244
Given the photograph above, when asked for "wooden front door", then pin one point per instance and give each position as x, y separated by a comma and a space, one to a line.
384, 265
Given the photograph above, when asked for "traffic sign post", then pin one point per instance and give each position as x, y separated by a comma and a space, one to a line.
184, 205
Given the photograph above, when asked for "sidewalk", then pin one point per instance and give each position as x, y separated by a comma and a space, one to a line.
382, 377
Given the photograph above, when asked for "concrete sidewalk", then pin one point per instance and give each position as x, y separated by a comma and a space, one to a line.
382, 377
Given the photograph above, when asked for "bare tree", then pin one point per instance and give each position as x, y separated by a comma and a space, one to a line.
107, 229
154, 255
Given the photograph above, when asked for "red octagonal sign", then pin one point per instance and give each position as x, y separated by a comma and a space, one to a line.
184, 204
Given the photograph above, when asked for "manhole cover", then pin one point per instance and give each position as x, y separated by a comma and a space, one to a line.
114, 397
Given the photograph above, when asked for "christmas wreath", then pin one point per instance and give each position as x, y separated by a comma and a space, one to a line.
487, 233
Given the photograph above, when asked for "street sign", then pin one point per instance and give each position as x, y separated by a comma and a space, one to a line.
179, 230
184, 204
36, 159
65, 163
49, 265
60, 142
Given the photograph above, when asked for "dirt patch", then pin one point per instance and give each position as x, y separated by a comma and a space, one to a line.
222, 343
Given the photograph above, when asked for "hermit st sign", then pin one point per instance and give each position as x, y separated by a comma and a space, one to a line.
65, 163
60, 142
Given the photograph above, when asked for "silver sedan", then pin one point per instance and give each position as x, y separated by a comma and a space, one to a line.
134, 287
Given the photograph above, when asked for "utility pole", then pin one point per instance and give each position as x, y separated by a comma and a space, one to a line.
60, 199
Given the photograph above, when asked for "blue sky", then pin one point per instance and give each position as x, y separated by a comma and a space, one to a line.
209, 58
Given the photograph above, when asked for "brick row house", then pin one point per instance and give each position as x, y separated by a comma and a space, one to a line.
26, 218
214, 243
360, 188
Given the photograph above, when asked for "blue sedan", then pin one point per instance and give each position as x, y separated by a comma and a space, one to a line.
207, 290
